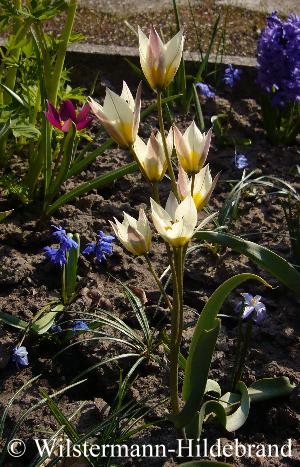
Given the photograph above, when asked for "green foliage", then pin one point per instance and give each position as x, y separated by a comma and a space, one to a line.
260, 255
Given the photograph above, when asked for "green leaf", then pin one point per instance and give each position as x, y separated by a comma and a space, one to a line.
269, 388
281, 269
70, 271
27, 131
237, 419
202, 347
97, 182
42, 325
5, 214
65, 163
13, 321
198, 369
14, 95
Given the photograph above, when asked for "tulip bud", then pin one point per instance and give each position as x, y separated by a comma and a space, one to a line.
192, 148
134, 234
120, 115
160, 61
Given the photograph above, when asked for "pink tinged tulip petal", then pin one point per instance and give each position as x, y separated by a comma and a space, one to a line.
173, 55
182, 182
155, 59
137, 109
136, 241
207, 145
180, 145
67, 125
67, 111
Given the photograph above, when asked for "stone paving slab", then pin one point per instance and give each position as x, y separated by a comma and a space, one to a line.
265, 6
140, 6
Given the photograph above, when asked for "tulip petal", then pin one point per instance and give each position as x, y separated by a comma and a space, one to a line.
137, 109
173, 54
172, 205
52, 120
67, 111
67, 125
127, 96
83, 114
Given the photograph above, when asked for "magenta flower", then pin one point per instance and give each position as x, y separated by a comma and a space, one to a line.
67, 114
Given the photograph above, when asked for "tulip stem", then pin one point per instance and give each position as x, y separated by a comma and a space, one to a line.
155, 192
136, 159
193, 184
242, 350
163, 136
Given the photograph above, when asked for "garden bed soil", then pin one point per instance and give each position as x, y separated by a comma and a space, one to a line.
28, 281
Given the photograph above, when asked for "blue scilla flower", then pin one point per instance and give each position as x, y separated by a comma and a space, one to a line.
231, 76
58, 255
101, 247
56, 328
252, 306
241, 161
19, 356
205, 90
79, 325
278, 58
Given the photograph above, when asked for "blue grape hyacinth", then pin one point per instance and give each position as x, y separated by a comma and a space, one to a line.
205, 90
20, 356
231, 76
79, 325
252, 306
58, 255
101, 247
278, 57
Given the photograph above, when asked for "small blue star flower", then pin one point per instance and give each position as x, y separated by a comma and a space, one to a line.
252, 307
205, 90
231, 76
241, 161
101, 247
79, 325
56, 328
19, 356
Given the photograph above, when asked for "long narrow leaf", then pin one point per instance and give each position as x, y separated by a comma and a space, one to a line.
277, 266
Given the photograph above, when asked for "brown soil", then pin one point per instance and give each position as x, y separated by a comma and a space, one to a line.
28, 282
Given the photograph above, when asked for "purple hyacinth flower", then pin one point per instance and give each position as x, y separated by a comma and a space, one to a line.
67, 114
205, 90
101, 247
252, 307
55, 255
231, 76
61, 235
20, 356
241, 162
79, 325
278, 58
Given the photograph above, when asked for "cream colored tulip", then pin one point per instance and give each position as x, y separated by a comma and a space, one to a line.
176, 223
160, 61
134, 234
192, 148
203, 186
152, 156
120, 115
